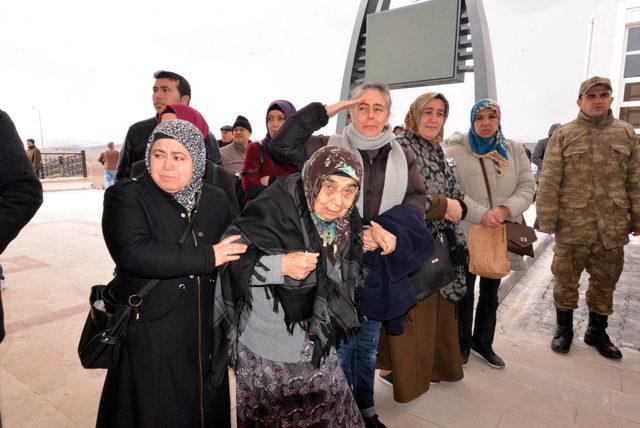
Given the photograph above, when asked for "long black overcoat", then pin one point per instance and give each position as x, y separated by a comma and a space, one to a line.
20, 190
160, 380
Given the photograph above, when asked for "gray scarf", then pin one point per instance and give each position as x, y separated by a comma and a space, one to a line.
394, 189
187, 134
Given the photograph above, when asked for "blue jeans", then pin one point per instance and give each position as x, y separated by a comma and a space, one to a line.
109, 176
358, 360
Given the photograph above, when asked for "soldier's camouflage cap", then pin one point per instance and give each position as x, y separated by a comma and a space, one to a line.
594, 81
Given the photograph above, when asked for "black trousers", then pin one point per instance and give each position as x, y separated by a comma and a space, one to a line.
479, 336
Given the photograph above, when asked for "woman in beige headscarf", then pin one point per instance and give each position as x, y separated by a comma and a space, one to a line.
428, 348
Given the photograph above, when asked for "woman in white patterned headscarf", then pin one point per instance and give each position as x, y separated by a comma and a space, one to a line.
165, 225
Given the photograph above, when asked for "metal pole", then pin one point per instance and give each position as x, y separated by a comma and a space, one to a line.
483, 73
84, 163
41, 135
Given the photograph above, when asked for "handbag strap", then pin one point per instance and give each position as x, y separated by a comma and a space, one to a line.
486, 182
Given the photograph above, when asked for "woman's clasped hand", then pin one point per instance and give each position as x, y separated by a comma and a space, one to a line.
228, 250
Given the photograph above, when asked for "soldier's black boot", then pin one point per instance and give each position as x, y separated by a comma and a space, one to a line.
597, 337
564, 332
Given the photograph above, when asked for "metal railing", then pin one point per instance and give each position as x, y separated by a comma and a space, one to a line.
56, 165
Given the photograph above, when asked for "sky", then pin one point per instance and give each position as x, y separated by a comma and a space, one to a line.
84, 70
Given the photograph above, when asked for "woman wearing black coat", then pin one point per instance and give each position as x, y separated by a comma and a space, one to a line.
165, 360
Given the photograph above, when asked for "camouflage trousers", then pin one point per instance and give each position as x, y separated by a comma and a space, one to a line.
604, 268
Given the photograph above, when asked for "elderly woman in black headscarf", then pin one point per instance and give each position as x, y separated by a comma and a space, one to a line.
164, 225
288, 301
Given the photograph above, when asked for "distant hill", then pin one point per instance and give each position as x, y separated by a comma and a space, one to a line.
60, 145
70, 146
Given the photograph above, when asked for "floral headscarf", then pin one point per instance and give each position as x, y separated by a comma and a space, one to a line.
330, 160
412, 119
493, 147
188, 135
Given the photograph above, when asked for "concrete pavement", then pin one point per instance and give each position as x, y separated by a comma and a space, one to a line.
52, 264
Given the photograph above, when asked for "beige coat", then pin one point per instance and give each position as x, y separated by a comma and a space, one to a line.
514, 189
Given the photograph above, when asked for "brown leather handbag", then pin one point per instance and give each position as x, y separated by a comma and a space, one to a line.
520, 237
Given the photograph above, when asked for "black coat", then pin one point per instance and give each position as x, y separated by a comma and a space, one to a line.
135, 146
165, 360
20, 190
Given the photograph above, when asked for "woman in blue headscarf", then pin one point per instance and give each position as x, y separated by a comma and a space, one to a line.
512, 186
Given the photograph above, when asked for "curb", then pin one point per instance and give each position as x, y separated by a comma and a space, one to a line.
510, 281
65, 184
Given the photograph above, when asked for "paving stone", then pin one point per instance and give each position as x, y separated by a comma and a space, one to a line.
22, 407
625, 406
631, 382
592, 418
539, 409
545, 359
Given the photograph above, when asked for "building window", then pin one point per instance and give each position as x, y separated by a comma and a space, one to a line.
630, 105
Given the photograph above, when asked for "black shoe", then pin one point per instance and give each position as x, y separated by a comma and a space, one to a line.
464, 356
387, 379
564, 332
597, 337
373, 422
489, 357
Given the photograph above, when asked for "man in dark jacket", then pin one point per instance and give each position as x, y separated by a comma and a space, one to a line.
226, 135
20, 190
538, 151
169, 88
537, 157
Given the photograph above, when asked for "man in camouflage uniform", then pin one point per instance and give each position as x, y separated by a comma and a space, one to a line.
589, 197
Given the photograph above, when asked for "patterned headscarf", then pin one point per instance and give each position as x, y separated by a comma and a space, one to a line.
493, 147
412, 119
330, 160
188, 135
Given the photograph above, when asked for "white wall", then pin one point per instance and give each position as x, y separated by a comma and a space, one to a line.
605, 54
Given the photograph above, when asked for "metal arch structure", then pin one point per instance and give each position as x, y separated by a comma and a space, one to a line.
473, 44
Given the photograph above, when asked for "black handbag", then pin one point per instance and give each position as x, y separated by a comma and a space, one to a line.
520, 237
106, 325
437, 272
104, 330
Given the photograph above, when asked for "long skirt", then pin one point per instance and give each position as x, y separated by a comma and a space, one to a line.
276, 394
427, 350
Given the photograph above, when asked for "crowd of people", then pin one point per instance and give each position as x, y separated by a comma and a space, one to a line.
300, 261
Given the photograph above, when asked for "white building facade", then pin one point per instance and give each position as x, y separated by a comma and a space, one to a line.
613, 50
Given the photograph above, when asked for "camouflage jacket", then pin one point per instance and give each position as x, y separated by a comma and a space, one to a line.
590, 183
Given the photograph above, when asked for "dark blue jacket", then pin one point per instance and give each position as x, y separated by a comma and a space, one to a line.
387, 293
